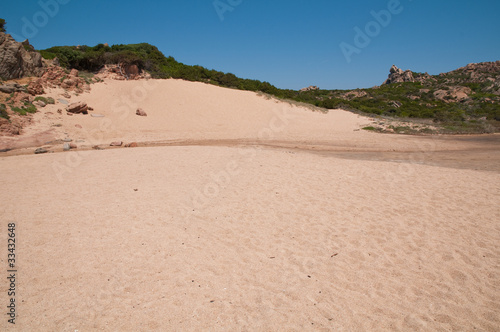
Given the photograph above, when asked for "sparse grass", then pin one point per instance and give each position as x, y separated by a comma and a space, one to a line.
265, 95
404, 130
47, 101
27, 108
18, 110
292, 102
465, 128
87, 76
428, 131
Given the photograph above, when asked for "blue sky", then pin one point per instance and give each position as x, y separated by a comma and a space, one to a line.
291, 44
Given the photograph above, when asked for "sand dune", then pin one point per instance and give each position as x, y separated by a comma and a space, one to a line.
191, 113
282, 225
180, 110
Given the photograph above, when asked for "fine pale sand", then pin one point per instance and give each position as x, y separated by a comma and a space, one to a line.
249, 214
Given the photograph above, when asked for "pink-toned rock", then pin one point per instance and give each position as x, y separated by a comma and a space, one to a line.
116, 144
35, 87
78, 107
39, 103
68, 83
131, 145
141, 112
310, 88
74, 72
78, 126
20, 97
10, 128
73, 146
18, 59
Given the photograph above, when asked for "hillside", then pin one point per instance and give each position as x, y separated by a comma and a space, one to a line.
148, 58
464, 100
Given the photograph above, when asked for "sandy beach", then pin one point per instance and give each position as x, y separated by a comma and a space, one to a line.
237, 212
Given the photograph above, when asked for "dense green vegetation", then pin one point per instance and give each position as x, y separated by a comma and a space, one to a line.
149, 58
2, 25
403, 100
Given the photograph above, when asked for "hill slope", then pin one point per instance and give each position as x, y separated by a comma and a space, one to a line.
466, 100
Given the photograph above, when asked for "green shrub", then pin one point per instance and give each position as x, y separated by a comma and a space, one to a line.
48, 55
27, 108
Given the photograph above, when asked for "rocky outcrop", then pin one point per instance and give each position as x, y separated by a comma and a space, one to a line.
56, 76
309, 88
36, 87
453, 94
477, 70
18, 59
487, 74
122, 72
354, 94
79, 107
12, 87
397, 75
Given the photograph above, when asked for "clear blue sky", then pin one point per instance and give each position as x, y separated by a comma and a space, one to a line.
291, 44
